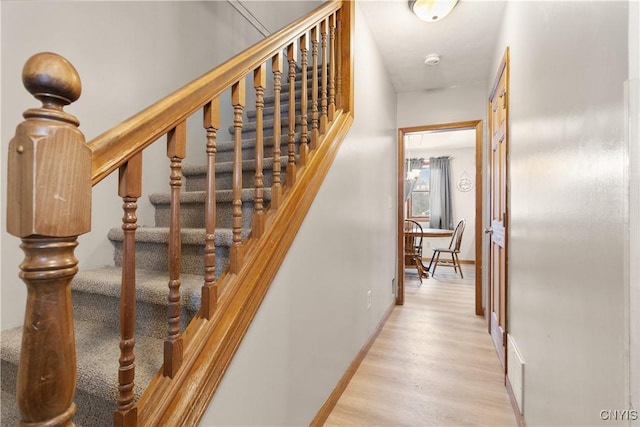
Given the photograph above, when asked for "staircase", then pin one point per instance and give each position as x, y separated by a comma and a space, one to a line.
186, 327
96, 292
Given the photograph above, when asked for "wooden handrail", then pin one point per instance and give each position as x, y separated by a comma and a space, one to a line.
116, 146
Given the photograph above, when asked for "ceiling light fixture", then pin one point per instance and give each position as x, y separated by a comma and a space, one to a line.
432, 10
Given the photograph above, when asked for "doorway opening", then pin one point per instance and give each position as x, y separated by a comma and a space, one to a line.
415, 146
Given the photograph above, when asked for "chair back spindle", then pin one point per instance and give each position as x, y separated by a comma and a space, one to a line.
456, 239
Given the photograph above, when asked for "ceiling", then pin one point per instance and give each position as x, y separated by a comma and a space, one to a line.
465, 41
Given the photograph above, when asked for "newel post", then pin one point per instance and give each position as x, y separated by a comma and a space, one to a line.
48, 207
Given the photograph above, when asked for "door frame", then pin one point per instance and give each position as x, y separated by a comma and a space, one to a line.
471, 124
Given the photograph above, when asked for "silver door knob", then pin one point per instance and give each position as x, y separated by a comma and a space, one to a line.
488, 230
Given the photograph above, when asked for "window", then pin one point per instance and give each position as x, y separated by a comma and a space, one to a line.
418, 203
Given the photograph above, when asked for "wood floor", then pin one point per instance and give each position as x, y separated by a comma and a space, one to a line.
433, 364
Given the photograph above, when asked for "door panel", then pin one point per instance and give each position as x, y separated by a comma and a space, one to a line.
498, 203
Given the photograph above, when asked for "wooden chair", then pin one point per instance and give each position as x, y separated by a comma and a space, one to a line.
413, 247
453, 249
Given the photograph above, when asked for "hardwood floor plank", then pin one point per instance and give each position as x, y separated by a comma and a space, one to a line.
433, 364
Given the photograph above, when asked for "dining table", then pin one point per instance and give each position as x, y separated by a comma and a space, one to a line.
428, 233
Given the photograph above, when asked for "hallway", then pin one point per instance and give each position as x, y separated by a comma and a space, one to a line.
433, 364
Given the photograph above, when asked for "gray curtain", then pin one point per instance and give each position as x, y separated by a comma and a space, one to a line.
440, 196
410, 164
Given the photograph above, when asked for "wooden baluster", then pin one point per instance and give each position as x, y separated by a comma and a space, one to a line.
304, 147
259, 83
211, 122
323, 98
291, 159
176, 152
238, 102
276, 188
338, 60
314, 88
48, 207
332, 67
130, 189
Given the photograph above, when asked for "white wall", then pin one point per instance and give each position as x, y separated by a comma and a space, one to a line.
288, 11
432, 107
128, 55
567, 292
314, 320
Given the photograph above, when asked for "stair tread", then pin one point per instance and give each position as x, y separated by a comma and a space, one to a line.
151, 286
9, 408
189, 236
97, 353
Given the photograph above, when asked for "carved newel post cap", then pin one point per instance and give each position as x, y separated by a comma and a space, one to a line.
49, 162
52, 79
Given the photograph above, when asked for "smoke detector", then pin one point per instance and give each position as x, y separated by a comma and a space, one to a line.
432, 59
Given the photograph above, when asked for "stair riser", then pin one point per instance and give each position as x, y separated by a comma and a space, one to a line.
269, 103
268, 112
249, 129
151, 319
284, 99
153, 256
224, 180
247, 154
192, 215
284, 81
225, 151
